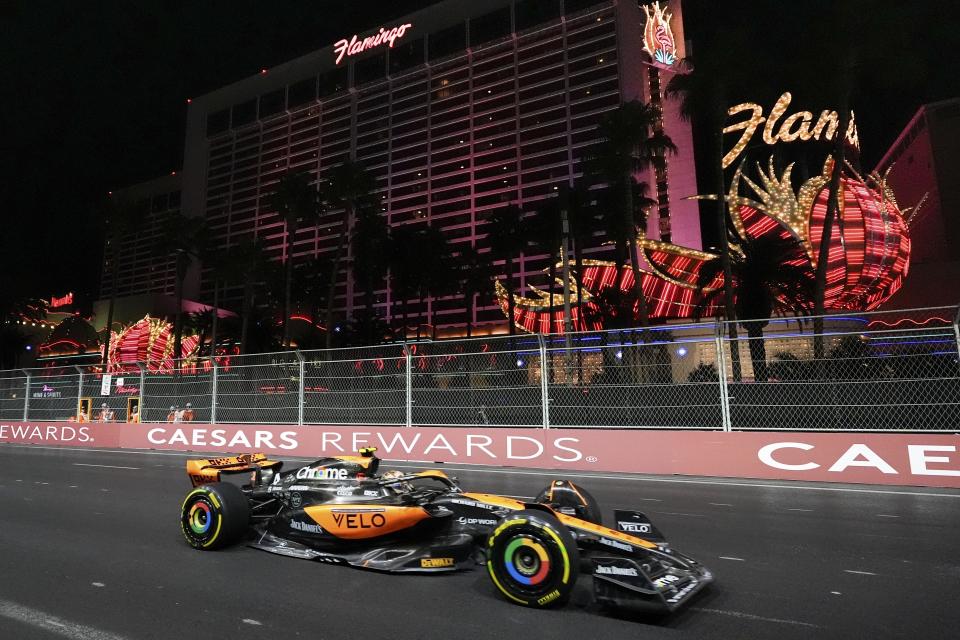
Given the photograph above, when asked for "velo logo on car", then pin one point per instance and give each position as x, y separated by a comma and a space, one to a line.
366, 519
321, 473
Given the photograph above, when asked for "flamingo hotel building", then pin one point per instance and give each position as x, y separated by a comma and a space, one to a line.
457, 110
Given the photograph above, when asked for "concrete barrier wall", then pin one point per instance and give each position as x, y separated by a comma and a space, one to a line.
931, 460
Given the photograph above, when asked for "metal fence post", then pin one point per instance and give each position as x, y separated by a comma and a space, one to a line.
213, 390
956, 328
26, 397
722, 378
300, 392
544, 387
409, 384
143, 391
79, 390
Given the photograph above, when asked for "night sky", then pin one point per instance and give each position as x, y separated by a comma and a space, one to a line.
93, 97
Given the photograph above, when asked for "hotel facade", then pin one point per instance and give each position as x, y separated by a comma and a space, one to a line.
457, 110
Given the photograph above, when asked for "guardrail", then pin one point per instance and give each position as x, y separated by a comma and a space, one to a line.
887, 371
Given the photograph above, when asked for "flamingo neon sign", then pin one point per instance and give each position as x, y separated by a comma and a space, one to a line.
356, 45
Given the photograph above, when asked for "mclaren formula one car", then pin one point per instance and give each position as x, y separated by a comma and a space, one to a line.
343, 510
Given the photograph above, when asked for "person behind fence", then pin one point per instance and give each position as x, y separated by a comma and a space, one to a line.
105, 414
174, 415
187, 414
134, 414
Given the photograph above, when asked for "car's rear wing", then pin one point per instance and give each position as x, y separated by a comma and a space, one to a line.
207, 470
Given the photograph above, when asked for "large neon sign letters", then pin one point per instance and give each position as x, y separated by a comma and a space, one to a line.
797, 126
355, 45
61, 301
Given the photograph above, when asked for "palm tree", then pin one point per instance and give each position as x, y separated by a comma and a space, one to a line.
297, 203
584, 225
12, 338
546, 230
404, 268
507, 238
628, 145
220, 272
348, 186
186, 239
371, 238
703, 101
436, 273
623, 234
310, 279
476, 275
247, 262
877, 51
122, 216
770, 274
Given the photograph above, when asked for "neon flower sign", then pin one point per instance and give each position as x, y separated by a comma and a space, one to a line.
355, 45
658, 38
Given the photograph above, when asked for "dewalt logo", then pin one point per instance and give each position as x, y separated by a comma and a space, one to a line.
435, 563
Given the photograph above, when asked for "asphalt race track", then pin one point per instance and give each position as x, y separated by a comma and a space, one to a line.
90, 549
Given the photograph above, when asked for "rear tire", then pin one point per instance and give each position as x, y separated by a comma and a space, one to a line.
214, 516
532, 559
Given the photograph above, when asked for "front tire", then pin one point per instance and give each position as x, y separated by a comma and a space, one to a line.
214, 516
532, 559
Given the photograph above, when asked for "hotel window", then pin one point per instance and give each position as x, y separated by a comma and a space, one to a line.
370, 69
244, 113
448, 41
333, 81
302, 92
533, 12
592, 62
413, 85
492, 26
273, 102
576, 6
218, 122
159, 203
406, 56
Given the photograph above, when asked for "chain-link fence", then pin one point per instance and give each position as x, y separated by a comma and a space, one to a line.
896, 370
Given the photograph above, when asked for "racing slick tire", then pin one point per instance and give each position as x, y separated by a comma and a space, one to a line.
532, 559
214, 516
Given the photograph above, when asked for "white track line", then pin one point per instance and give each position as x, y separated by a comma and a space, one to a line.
41, 620
860, 573
750, 616
547, 472
731, 558
105, 466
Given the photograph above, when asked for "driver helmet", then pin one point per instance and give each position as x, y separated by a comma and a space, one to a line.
395, 474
